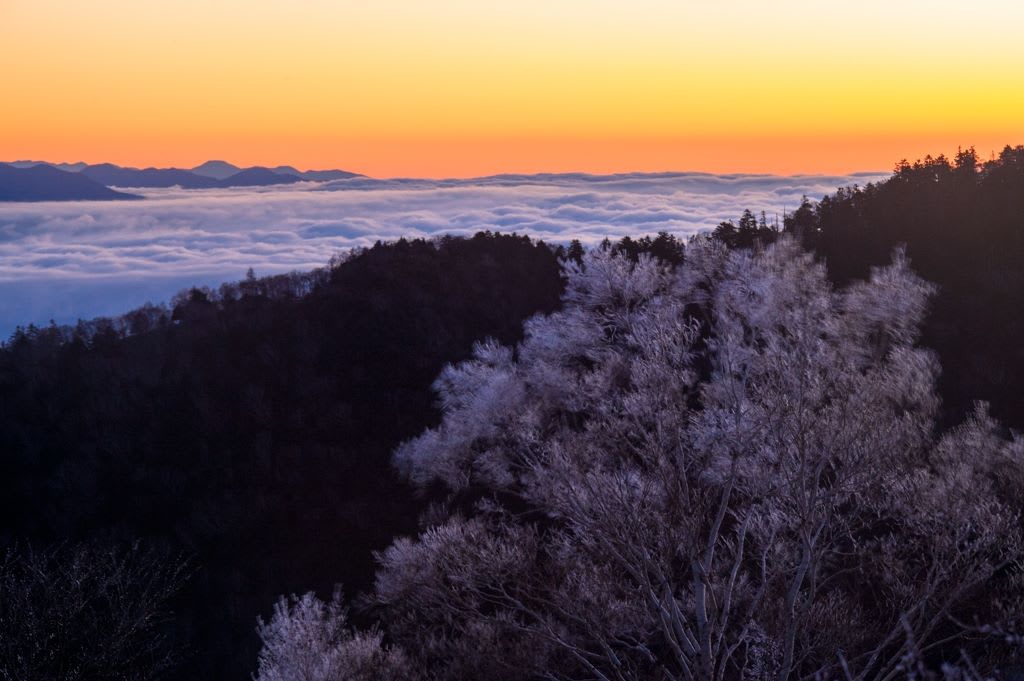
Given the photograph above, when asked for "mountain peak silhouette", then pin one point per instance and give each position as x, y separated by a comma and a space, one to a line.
218, 170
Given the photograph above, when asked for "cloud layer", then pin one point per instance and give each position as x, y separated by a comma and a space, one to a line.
82, 259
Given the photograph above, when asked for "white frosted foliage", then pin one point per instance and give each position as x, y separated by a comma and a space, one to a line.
727, 470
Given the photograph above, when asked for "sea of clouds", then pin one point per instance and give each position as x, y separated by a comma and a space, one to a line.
69, 260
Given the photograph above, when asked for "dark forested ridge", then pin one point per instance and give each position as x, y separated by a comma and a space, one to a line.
962, 222
251, 428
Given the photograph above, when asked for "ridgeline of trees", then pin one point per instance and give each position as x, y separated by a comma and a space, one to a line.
250, 429
962, 221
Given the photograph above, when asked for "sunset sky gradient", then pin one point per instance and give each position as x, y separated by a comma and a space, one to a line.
470, 87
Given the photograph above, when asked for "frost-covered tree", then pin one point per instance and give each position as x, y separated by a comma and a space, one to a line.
308, 639
723, 470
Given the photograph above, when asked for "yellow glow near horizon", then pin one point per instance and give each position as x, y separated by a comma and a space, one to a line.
461, 87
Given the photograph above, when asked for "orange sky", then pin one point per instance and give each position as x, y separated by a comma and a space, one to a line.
470, 87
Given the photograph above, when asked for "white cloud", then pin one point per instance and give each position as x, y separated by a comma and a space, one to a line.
82, 259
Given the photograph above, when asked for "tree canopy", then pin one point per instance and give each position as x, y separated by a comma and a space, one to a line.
723, 470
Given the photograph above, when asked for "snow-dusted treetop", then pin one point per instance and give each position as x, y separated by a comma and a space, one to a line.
724, 470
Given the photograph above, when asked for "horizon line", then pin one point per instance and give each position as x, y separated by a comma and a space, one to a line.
468, 177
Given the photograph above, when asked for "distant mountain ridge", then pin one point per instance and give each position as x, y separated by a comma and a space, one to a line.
69, 167
209, 175
328, 175
111, 175
42, 182
224, 171
258, 177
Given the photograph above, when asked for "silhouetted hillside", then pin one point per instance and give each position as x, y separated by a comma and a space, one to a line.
963, 224
962, 221
251, 428
46, 183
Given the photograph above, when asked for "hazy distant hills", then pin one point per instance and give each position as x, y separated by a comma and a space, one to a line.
258, 177
41, 181
115, 176
70, 167
328, 175
288, 170
45, 183
222, 170
110, 175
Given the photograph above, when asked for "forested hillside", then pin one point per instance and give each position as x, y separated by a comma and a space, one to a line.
963, 224
962, 221
250, 429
